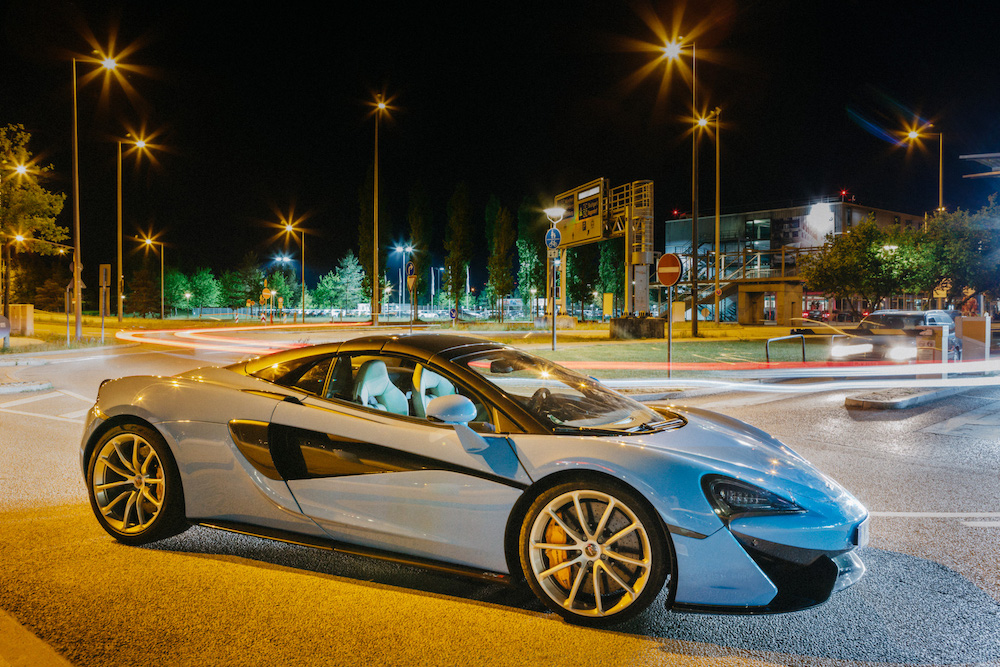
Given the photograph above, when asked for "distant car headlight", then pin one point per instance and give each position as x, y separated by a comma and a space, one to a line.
850, 350
732, 498
902, 353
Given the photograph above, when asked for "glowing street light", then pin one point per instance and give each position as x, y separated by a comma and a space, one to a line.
672, 50
290, 228
381, 107
139, 145
402, 269
109, 64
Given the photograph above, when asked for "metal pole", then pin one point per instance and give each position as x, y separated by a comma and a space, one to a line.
303, 277
940, 171
163, 253
718, 199
694, 198
375, 281
78, 306
552, 263
670, 326
121, 275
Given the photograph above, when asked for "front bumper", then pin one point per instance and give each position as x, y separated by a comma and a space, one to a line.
734, 573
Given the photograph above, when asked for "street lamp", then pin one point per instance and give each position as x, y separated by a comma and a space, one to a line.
554, 214
149, 244
380, 108
302, 244
140, 145
108, 64
913, 135
672, 50
718, 198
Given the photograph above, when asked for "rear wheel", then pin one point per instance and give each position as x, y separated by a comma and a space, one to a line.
594, 552
134, 486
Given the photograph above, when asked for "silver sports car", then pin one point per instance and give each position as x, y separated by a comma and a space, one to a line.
477, 458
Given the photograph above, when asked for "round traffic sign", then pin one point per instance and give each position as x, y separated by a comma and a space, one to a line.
553, 238
668, 269
265, 293
453, 313
410, 269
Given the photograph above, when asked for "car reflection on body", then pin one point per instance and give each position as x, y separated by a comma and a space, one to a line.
891, 335
477, 458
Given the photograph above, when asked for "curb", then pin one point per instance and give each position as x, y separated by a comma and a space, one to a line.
20, 647
877, 400
22, 387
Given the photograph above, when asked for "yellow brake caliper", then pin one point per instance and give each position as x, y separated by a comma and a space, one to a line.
554, 534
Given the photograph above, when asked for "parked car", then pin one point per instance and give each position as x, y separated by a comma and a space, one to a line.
891, 335
476, 458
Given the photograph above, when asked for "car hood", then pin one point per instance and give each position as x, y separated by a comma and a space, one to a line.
734, 448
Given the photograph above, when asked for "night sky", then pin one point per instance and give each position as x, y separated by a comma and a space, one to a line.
264, 109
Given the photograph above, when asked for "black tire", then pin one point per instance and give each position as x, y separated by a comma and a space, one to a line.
134, 486
592, 515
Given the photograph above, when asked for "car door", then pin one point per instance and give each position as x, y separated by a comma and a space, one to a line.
392, 481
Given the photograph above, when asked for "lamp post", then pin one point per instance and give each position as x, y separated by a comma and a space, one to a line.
149, 244
402, 269
554, 214
913, 135
140, 145
108, 64
380, 107
672, 49
302, 244
718, 199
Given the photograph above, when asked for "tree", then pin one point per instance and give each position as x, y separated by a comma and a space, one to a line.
500, 264
582, 275
530, 251
965, 249
858, 262
205, 291
144, 294
26, 208
611, 268
281, 288
175, 288
458, 243
418, 215
350, 283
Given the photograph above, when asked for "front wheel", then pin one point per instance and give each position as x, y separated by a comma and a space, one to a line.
134, 486
594, 552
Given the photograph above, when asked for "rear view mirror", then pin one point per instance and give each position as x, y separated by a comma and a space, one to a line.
501, 366
451, 409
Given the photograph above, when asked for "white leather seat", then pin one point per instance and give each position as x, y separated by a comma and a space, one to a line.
428, 385
374, 389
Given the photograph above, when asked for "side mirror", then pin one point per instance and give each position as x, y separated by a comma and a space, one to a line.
451, 409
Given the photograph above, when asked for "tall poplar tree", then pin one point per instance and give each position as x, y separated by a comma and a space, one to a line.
458, 243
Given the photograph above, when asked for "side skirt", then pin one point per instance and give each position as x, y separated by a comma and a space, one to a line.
332, 545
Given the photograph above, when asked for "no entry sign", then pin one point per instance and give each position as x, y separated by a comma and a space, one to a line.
668, 269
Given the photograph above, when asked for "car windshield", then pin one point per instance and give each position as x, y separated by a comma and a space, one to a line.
557, 396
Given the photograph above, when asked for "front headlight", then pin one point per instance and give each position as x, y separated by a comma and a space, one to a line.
731, 498
850, 350
903, 353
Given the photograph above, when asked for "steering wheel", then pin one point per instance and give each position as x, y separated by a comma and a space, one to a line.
538, 400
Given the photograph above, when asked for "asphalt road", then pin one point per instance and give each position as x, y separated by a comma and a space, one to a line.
930, 475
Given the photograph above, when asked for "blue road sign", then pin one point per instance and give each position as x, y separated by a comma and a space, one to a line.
452, 313
410, 269
552, 238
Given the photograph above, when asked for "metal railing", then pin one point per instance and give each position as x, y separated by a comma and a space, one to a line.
767, 345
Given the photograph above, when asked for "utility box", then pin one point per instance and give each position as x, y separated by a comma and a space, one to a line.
974, 332
22, 319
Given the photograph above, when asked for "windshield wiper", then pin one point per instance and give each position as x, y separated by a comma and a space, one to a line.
589, 430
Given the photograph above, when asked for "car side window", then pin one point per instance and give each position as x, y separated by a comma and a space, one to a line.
392, 384
314, 378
